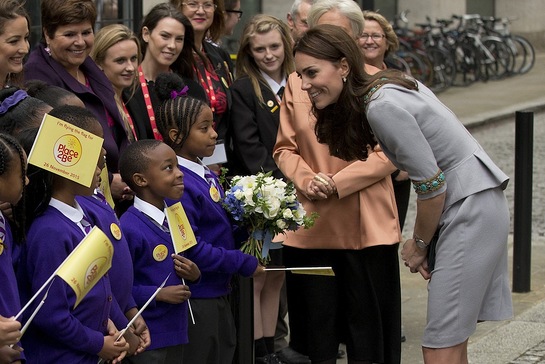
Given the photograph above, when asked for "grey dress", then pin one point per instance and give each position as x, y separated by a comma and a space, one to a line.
470, 281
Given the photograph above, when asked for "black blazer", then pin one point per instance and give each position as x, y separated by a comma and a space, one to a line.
253, 128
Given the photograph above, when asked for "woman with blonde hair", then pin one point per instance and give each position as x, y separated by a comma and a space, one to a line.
264, 62
117, 53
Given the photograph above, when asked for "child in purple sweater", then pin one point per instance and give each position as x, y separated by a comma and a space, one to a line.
149, 167
186, 124
12, 181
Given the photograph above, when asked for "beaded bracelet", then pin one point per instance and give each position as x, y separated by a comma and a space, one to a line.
429, 185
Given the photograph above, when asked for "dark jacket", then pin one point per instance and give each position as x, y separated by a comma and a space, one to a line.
253, 128
99, 98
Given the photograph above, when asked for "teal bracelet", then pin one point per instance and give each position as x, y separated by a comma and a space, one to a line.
429, 185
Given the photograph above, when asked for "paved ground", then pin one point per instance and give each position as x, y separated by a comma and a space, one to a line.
488, 109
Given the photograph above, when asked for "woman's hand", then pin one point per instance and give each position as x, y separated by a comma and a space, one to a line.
321, 187
415, 259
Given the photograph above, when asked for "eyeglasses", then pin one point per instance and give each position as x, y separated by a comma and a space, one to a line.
375, 36
194, 6
238, 12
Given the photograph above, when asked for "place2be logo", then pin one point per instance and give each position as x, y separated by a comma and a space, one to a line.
67, 150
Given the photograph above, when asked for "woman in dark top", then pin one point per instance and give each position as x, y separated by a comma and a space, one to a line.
166, 38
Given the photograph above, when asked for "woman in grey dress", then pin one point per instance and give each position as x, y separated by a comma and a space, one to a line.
460, 201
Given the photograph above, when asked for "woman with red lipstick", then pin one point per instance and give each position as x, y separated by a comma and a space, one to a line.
62, 59
14, 32
166, 38
214, 70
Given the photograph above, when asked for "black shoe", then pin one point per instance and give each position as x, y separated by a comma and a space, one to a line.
269, 359
340, 354
290, 356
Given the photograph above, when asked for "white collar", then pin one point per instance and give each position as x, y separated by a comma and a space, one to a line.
275, 86
74, 214
197, 168
157, 215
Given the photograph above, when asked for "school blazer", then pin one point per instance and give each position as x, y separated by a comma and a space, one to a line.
364, 214
253, 127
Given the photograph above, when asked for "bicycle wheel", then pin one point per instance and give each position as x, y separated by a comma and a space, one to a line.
467, 64
524, 53
398, 63
499, 58
444, 69
417, 67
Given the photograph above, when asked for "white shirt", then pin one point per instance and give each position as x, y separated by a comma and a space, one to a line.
75, 214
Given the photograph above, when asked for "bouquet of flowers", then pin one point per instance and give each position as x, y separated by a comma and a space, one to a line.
266, 206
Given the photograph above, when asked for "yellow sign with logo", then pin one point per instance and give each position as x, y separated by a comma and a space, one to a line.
181, 232
87, 263
66, 150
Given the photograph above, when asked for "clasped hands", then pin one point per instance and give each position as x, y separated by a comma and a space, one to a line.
321, 187
415, 259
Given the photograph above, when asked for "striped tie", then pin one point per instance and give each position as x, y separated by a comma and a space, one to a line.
165, 224
210, 177
86, 224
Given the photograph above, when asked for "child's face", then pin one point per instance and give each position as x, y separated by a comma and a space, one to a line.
202, 137
163, 178
11, 185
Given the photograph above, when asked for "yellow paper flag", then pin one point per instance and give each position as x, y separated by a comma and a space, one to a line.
181, 232
66, 150
87, 263
315, 271
105, 186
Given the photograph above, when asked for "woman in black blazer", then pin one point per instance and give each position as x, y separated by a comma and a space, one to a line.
264, 61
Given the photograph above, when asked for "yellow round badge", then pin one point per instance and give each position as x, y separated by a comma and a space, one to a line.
116, 231
270, 103
160, 252
1, 246
215, 194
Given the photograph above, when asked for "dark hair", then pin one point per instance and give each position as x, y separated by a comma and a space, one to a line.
12, 9
179, 113
77, 116
10, 151
9, 10
56, 13
343, 126
134, 159
184, 64
52, 95
27, 113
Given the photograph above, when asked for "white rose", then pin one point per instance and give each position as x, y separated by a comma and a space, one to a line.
273, 207
281, 224
287, 214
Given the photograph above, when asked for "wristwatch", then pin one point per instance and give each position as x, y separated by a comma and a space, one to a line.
421, 244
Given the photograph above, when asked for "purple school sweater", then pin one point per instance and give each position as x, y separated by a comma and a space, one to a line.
215, 254
151, 250
61, 333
